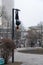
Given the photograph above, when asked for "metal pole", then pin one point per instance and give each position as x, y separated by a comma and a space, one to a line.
12, 33
12, 24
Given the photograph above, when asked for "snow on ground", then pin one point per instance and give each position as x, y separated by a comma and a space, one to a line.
28, 59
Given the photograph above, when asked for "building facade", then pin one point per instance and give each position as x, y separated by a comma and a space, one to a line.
7, 6
6, 25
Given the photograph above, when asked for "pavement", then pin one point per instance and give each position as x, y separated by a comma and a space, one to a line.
28, 59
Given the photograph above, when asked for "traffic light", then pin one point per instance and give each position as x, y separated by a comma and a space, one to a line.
17, 18
17, 22
17, 27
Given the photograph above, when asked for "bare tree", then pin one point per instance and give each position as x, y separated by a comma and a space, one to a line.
8, 45
33, 36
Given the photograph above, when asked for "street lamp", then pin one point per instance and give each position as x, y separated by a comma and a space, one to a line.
17, 23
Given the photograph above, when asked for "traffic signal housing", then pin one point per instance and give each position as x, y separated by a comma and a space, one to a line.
17, 19
17, 22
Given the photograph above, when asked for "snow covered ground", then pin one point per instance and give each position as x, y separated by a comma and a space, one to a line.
28, 59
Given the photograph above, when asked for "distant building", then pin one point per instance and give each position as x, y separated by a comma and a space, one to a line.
39, 29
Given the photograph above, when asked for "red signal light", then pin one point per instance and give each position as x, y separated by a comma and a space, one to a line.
17, 27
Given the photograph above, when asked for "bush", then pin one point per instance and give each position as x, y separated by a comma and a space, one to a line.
7, 48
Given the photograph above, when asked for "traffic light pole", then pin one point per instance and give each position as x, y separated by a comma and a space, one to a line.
12, 33
17, 23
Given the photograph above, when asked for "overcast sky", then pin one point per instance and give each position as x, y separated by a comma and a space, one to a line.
0, 2
31, 11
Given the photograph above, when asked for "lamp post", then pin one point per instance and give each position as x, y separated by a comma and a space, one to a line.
17, 23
